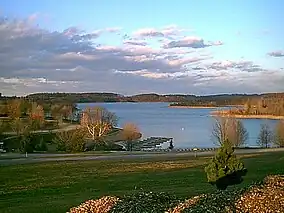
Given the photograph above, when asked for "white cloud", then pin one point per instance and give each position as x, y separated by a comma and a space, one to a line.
33, 59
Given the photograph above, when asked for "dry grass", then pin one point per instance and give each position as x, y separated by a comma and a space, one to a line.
161, 166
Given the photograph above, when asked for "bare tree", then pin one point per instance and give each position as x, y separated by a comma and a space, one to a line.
265, 136
36, 116
229, 129
129, 134
98, 121
279, 134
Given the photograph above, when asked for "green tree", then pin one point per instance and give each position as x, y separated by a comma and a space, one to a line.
265, 136
70, 141
225, 168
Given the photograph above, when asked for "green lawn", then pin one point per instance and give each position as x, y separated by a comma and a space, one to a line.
56, 186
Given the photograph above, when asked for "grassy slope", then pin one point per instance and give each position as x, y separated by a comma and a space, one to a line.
55, 187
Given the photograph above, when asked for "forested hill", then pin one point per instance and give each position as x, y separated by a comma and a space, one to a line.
223, 99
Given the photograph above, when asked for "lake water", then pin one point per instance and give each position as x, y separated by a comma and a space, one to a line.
188, 127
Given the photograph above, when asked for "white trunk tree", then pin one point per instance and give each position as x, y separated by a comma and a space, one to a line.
98, 121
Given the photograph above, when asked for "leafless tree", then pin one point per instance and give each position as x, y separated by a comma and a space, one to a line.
36, 116
265, 136
98, 121
279, 134
231, 129
129, 134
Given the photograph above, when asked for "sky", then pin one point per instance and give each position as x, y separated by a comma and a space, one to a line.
151, 46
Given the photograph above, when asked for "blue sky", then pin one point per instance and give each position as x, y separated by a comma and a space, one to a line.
248, 32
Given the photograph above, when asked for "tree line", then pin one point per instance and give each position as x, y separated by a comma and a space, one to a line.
223, 99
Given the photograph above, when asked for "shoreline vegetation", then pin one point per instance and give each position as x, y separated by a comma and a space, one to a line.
228, 113
192, 107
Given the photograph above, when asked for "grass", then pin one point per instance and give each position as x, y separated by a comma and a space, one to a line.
57, 186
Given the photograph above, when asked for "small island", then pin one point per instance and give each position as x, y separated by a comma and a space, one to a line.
263, 108
193, 105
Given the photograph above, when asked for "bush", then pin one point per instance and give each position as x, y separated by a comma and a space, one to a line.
218, 202
70, 141
26, 143
41, 146
225, 169
145, 202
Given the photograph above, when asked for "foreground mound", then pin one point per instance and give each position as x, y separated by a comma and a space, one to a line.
102, 205
268, 197
264, 197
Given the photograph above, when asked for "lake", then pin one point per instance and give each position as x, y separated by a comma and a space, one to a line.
188, 127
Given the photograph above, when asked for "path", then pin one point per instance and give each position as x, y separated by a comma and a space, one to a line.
65, 128
36, 158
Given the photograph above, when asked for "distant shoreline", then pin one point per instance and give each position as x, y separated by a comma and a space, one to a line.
271, 117
192, 107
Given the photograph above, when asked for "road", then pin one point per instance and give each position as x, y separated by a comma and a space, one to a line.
37, 158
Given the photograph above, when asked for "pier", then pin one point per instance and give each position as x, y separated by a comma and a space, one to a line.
151, 143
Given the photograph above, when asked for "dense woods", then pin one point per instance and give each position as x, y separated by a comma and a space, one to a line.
223, 99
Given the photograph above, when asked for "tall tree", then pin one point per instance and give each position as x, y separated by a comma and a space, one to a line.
129, 134
98, 121
279, 134
230, 129
265, 136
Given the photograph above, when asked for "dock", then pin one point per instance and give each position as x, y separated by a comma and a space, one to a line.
150, 143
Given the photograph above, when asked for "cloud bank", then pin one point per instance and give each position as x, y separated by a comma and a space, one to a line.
165, 60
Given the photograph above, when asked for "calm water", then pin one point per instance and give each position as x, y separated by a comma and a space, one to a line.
188, 127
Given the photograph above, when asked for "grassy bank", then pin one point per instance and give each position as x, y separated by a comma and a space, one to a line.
56, 186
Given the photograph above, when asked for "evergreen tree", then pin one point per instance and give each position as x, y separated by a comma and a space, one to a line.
225, 169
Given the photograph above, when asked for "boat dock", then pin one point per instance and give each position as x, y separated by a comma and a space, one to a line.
150, 143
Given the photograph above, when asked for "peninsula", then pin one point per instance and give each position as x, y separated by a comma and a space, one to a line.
261, 108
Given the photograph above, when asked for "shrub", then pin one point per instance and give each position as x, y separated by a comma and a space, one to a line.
26, 143
145, 202
41, 146
218, 202
70, 141
225, 169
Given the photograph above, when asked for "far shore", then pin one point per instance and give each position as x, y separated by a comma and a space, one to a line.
192, 107
271, 117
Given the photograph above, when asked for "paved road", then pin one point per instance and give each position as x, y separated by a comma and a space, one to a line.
35, 158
